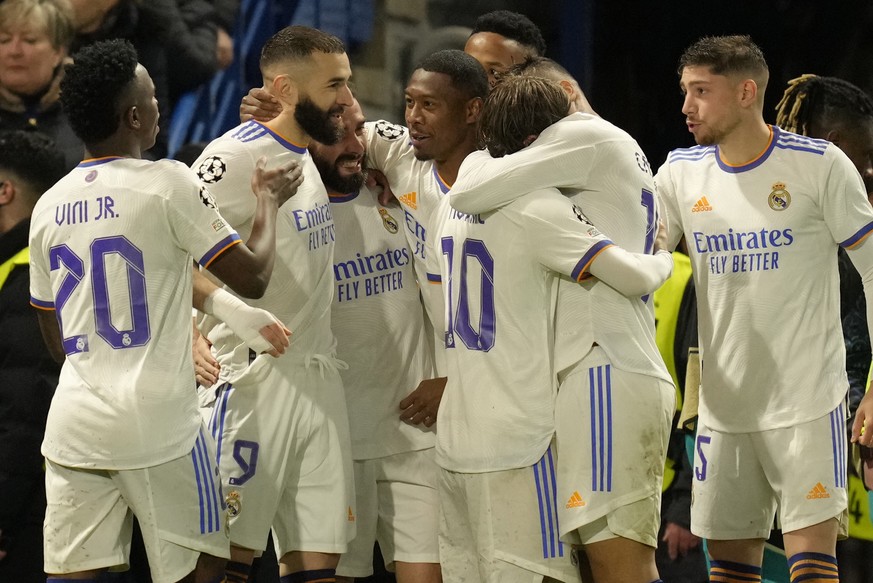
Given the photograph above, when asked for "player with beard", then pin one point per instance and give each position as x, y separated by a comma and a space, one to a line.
378, 321
281, 424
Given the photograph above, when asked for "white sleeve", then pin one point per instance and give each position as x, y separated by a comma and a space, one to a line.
386, 143
194, 219
560, 157
41, 295
227, 173
632, 274
844, 203
565, 241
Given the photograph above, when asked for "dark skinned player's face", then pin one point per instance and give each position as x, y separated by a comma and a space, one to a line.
436, 115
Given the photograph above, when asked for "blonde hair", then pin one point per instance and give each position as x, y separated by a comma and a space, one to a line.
57, 17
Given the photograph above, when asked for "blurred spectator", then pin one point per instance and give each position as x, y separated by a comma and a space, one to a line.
35, 37
199, 46
148, 26
29, 164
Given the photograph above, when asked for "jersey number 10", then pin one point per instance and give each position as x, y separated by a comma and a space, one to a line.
458, 322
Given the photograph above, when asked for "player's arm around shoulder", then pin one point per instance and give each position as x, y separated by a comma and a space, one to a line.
570, 244
387, 144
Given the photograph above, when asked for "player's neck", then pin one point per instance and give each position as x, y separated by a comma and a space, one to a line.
113, 147
286, 126
448, 168
745, 143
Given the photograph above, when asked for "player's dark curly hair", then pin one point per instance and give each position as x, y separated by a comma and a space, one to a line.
93, 85
466, 73
32, 157
298, 42
811, 102
727, 55
514, 26
518, 107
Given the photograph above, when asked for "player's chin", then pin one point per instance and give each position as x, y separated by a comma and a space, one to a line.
421, 154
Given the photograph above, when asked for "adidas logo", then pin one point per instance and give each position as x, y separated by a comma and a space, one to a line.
409, 200
575, 501
351, 515
818, 491
702, 205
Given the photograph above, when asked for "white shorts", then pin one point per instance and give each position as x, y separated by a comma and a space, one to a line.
285, 460
741, 478
502, 527
612, 430
89, 516
398, 505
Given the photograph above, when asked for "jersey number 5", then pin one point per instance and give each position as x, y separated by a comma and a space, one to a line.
139, 333
458, 318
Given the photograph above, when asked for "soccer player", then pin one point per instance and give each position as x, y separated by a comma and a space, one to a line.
501, 39
611, 509
443, 99
763, 211
111, 269
378, 321
281, 424
836, 110
500, 273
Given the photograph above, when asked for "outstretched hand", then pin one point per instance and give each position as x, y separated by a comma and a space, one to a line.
281, 182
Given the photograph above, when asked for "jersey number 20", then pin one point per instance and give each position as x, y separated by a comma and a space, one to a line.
139, 333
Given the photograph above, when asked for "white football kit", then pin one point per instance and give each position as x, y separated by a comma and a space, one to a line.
419, 188
281, 423
378, 320
762, 238
499, 274
112, 245
604, 172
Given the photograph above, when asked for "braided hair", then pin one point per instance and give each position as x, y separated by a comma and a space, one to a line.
811, 102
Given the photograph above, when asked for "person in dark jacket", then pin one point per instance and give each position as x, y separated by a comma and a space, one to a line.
29, 164
35, 37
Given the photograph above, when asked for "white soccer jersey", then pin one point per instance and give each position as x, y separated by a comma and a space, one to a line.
111, 250
378, 321
301, 287
762, 238
419, 188
499, 277
604, 172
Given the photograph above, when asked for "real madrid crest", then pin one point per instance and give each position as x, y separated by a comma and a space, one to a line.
388, 221
779, 198
233, 503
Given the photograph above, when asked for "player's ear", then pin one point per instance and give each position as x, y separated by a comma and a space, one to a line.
748, 92
474, 110
834, 137
284, 89
132, 118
